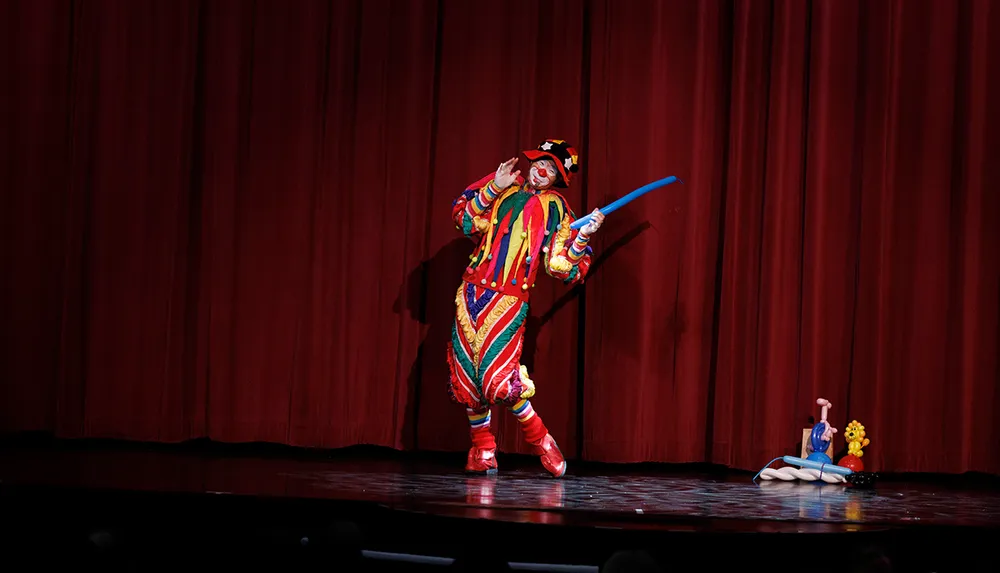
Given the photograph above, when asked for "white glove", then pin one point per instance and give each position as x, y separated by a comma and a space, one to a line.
503, 177
596, 218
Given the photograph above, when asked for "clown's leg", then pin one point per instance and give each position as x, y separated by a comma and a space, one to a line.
463, 390
482, 454
537, 435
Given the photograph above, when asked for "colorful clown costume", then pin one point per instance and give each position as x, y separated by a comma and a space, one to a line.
518, 231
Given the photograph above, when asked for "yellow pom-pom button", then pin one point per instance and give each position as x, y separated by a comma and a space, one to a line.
493, 284
495, 221
524, 286
523, 234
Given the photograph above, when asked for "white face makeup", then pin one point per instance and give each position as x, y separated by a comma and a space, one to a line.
542, 174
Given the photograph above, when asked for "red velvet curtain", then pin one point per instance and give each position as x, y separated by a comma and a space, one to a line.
231, 219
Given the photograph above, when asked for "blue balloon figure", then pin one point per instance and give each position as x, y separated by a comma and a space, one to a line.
819, 439
819, 445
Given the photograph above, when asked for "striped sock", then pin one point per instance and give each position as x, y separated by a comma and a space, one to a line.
522, 411
531, 422
478, 418
479, 422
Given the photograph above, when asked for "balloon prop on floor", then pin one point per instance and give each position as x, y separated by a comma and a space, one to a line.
808, 470
618, 204
854, 434
817, 466
862, 480
822, 433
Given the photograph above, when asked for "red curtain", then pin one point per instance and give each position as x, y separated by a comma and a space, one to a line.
230, 219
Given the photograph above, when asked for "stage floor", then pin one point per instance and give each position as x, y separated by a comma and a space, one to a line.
253, 503
589, 495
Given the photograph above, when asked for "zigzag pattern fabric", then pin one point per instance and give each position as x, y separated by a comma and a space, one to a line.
485, 349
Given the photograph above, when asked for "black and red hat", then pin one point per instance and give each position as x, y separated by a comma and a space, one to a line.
564, 156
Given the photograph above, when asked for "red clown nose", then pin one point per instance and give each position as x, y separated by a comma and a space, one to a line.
542, 172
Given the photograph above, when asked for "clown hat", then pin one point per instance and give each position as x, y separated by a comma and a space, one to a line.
564, 156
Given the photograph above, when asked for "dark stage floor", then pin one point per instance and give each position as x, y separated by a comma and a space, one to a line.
421, 499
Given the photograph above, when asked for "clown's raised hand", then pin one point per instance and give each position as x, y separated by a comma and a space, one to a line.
504, 178
596, 218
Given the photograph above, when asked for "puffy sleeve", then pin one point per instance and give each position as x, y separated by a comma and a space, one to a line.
567, 253
471, 210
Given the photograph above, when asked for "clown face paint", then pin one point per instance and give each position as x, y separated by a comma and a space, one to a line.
543, 174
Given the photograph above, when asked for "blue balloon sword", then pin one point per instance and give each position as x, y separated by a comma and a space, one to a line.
626, 199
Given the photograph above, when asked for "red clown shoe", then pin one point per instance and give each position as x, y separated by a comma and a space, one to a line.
481, 461
552, 458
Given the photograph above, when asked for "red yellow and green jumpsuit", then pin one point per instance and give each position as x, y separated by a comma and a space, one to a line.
519, 231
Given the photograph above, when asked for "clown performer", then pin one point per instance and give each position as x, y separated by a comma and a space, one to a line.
520, 228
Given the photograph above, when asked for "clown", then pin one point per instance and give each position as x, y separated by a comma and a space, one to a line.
520, 228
